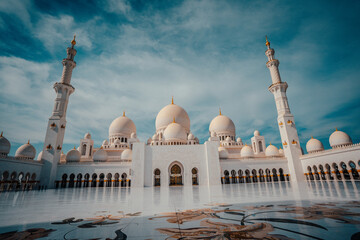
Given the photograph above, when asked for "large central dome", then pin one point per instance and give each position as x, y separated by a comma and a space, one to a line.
167, 115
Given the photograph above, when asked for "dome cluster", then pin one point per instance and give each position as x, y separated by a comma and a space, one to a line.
337, 139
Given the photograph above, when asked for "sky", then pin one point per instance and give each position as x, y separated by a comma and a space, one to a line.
134, 55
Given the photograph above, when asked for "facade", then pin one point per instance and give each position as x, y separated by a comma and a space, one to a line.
174, 155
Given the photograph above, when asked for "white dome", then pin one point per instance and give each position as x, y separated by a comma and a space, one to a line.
73, 156
314, 145
105, 142
155, 137
228, 139
238, 140
223, 153
175, 131
247, 151
339, 138
4, 145
191, 136
39, 157
122, 126
100, 156
117, 142
281, 151
222, 124
272, 151
87, 136
256, 133
126, 154
133, 135
167, 115
26, 151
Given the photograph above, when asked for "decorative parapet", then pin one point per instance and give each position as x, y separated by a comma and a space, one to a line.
328, 151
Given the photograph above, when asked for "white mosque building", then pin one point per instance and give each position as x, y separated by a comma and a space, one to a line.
174, 155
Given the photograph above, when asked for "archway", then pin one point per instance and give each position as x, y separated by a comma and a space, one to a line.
72, 180
117, 177
268, 175
310, 174
194, 172
227, 177
175, 175
157, 177
94, 180
247, 176
233, 176
101, 180
123, 179
87, 178
63, 180
109, 180
275, 176
261, 175
328, 171
354, 171
337, 172
254, 176
316, 173
345, 171
241, 179
78, 180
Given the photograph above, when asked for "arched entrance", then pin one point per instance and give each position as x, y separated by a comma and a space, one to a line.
194, 173
157, 177
175, 175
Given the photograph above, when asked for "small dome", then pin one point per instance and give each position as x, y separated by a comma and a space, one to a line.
175, 131
281, 151
247, 151
223, 153
73, 156
272, 151
191, 137
100, 156
149, 141
238, 140
117, 142
39, 157
155, 137
122, 126
339, 138
4, 145
222, 124
126, 154
87, 136
105, 142
228, 139
256, 133
314, 145
168, 113
133, 135
26, 151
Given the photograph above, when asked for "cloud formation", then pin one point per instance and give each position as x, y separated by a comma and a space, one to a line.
207, 54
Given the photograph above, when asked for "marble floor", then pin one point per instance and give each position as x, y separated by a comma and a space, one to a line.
284, 210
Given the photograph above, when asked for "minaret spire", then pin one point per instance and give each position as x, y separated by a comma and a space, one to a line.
57, 122
286, 122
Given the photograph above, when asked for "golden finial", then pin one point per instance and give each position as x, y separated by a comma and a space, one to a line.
312, 137
74, 147
219, 111
172, 99
73, 42
174, 120
335, 129
101, 147
123, 113
270, 143
267, 42
28, 141
1, 134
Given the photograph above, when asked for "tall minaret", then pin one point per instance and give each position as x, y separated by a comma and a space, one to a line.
57, 122
288, 132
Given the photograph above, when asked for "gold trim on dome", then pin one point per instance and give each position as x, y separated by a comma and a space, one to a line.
220, 111
123, 113
28, 141
174, 120
172, 99
267, 42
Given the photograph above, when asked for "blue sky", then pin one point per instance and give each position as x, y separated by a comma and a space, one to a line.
134, 55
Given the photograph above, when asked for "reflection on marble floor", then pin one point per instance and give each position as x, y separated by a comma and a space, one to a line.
253, 211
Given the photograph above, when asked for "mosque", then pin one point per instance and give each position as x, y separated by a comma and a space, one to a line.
174, 155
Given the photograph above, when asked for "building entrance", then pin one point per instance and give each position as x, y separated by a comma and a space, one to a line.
175, 175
